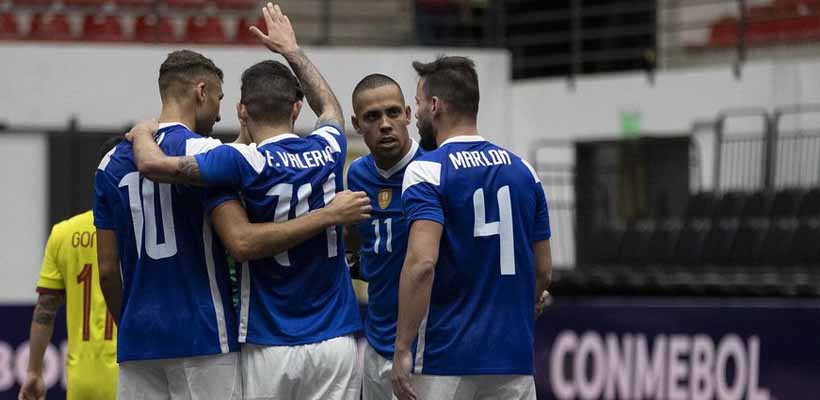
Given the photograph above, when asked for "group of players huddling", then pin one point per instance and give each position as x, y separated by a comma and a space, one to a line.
454, 235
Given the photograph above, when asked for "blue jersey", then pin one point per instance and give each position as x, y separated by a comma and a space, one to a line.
303, 295
384, 244
492, 209
176, 298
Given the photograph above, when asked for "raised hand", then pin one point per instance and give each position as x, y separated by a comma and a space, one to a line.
350, 207
280, 37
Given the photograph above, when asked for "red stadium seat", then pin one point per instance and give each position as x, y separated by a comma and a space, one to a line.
236, 4
186, 3
724, 32
154, 29
8, 26
32, 2
135, 3
205, 30
50, 27
102, 28
84, 2
243, 34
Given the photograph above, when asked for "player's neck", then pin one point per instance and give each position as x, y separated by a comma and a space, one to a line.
263, 133
386, 162
172, 112
458, 129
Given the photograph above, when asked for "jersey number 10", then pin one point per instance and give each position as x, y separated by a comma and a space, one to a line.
503, 227
142, 205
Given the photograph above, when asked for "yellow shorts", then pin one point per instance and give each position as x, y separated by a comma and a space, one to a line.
92, 379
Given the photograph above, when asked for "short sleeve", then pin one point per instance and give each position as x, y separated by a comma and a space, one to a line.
213, 197
223, 166
351, 179
541, 229
421, 192
51, 276
103, 213
334, 136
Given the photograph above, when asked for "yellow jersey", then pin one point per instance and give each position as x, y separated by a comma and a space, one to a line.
70, 267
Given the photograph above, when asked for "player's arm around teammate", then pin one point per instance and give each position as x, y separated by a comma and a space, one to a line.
414, 298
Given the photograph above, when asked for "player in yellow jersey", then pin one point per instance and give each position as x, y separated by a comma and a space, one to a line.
70, 275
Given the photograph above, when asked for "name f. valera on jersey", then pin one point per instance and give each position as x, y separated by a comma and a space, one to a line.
666, 367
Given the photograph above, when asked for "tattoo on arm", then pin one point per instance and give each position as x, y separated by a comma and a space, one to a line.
47, 307
317, 91
189, 170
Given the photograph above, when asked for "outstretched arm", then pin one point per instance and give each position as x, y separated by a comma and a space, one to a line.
282, 40
249, 241
154, 164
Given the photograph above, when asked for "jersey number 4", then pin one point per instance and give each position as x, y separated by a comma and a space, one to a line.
284, 192
144, 214
503, 227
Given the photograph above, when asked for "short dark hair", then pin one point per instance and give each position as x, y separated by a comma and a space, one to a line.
269, 90
184, 67
452, 79
374, 81
107, 145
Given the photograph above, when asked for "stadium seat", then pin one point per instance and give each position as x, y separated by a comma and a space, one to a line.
748, 242
84, 3
810, 205
243, 35
774, 250
700, 206
50, 27
758, 205
786, 203
805, 249
689, 249
8, 27
236, 4
205, 30
661, 249
102, 29
135, 3
154, 29
730, 206
724, 33
717, 247
186, 3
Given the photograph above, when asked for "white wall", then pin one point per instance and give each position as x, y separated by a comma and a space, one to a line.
108, 86
23, 167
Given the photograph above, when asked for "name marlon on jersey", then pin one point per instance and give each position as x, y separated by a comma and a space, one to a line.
472, 159
308, 159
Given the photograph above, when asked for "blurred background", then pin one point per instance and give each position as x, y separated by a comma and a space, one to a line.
678, 142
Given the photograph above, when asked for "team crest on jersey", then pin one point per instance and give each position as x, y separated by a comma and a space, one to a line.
385, 197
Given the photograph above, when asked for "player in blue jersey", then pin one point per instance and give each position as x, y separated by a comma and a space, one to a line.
177, 327
478, 254
381, 118
298, 310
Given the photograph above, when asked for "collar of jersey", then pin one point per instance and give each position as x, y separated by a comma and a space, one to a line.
414, 147
464, 139
281, 136
170, 124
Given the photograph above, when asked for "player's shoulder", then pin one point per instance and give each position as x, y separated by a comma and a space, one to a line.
518, 162
360, 166
119, 160
425, 169
332, 134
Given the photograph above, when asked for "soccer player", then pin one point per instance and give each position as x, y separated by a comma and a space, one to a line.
478, 255
298, 310
381, 117
69, 274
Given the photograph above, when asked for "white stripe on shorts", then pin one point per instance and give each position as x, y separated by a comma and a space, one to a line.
245, 293
216, 297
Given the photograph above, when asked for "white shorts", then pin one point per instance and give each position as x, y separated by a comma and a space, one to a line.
321, 371
376, 376
474, 387
215, 377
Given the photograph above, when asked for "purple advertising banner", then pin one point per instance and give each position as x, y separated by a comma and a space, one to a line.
679, 349
14, 334
606, 348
